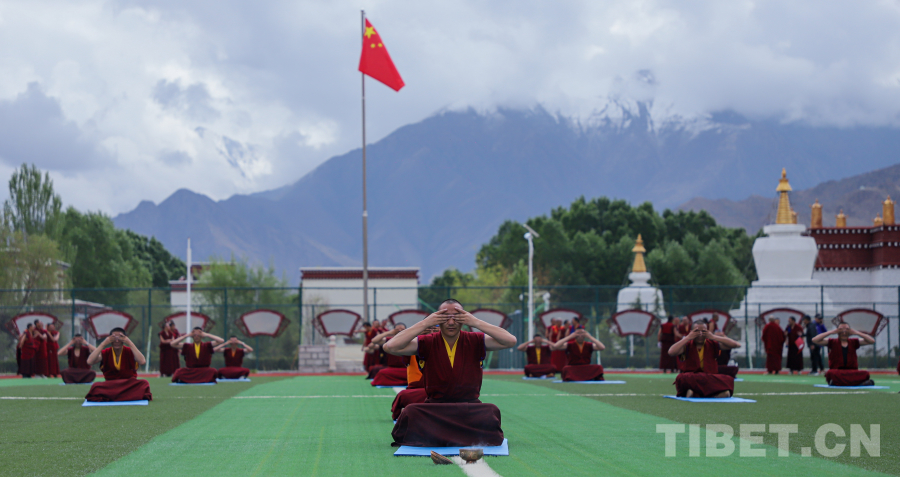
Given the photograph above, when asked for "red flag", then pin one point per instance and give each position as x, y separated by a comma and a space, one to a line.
376, 62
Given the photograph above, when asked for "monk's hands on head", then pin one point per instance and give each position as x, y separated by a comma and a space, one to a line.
694, 334
463, 317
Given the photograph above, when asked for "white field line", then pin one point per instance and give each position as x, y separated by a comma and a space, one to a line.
478, 469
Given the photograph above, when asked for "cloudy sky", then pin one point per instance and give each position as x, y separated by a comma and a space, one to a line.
128, 100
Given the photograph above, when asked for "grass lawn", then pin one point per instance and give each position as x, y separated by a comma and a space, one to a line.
340, 425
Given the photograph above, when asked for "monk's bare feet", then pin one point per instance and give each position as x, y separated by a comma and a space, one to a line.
723, 394
689, 393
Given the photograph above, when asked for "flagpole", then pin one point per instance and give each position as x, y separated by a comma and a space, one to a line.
189, 278
365, 214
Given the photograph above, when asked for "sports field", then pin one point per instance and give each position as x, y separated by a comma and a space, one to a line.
340, 426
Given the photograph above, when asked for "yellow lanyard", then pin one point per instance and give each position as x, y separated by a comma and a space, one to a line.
700, 350
197, 349
118, 362
537, 352
451, 352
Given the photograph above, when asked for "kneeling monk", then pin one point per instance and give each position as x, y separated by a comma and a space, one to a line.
538, 353
119, 364
79, 371
451, 362
197, 358
697, 353
843, 367
394, 371
234, 359
578, 353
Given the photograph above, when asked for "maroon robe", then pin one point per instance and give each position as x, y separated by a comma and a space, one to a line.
26, 357
773, 339
794, 354
121, 383
52, 356
405, 398
580, 367
451, 415
234, 365
390, 377
168, 356
79, 371
539, 367
40, 353
666, 340
557, 356
196, 368
370, 359
701, 378
841, 372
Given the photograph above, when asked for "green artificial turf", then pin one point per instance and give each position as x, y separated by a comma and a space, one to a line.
340, 425
59, 437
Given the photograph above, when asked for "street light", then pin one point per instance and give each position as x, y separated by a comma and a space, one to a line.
530, 236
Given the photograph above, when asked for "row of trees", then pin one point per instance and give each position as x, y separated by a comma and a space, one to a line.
590, 243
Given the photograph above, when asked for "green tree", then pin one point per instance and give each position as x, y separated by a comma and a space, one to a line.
162, 265
33, 208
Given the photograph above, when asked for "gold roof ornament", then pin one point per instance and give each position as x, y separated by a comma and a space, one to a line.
878, 222
841, 221
784, 203
815, 220
887, 211
639, 251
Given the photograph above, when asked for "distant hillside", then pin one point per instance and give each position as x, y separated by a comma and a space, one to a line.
860, 197
440, 188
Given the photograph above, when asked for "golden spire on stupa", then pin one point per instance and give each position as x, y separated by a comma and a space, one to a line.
815, 221
887, 211
639, 250
878, 222
784, 215
841, 220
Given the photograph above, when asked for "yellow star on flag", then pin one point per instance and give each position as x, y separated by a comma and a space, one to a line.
370, 31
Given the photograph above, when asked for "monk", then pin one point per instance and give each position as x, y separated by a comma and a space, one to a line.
666, 338
697, 353
556, 333
119, 359
682, 328
415, 390
713, 325
79, 371
394, 371
843, 367
369, 359
52, 351
451, 362
794, 353
197, 358
724, 359
41, 367
578, 352
234, 350
773, 339
26, 350
538, 353
168, 356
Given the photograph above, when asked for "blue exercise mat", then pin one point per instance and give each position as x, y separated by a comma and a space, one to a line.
542, 377
390, 387
693, 399
192, 384
241, 380
589, 382
115, 403
738, 380
67, 384
850, 387
502, 449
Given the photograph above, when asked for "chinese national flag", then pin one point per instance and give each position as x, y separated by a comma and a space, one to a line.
375, 60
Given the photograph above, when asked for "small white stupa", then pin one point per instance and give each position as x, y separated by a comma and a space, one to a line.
785, 260
640, 291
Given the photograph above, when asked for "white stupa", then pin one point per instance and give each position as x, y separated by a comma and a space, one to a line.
640, 290
785, 259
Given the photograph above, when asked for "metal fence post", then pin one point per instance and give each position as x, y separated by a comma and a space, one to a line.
747, 330
300, 315
72, 294
225, 314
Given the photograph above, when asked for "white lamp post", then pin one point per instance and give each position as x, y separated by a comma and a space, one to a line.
530, 236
